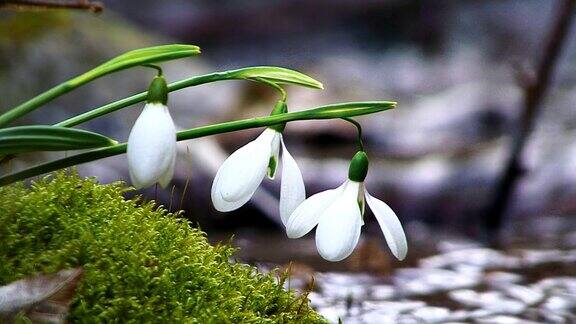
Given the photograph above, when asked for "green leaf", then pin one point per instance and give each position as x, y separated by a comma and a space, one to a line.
346, 110
262, 74
49, 138
141, 56
350, 109
277, 75
130, 59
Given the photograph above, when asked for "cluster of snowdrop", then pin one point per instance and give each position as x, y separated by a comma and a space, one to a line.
337, 213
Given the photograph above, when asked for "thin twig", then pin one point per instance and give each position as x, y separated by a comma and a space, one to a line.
188, 176
171, 197
92, 6
535, 90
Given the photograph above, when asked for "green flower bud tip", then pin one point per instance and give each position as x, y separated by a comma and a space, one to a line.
279, 108
158, 91
358, 167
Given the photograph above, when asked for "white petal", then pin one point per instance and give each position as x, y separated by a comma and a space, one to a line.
390, 225
292, 190
169, 174
225, 206
339, 226
275, 152
307, 214
152, 146
242, 172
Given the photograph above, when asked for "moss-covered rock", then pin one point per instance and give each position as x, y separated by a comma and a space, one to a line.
141, 263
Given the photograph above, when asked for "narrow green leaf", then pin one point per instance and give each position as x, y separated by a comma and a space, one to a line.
350, 109
137, 57
277, 75
346, 110
130, 59
256, 74
49, 138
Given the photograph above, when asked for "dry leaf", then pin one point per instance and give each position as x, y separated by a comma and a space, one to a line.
41, 298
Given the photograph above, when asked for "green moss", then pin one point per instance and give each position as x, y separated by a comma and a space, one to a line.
141, 263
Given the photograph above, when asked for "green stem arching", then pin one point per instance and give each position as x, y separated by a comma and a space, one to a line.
127, 60
275, 86
175, 86
325, 112
33, 103
270, 75
359, 129
134, 99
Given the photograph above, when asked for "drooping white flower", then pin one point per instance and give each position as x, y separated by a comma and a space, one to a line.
338, 213
243, 171
152, 141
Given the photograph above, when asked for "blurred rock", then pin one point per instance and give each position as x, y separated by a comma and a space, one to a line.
461, 282
432, 314
380, 292
499, 278
527, 295
482, 258
416, 281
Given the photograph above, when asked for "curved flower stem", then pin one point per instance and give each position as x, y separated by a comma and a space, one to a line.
155, 67
178, 85
343, 110
28, 106
275, 86
359, 128
121, 62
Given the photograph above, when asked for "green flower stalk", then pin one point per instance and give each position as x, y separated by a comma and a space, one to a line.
127, 60
350, 109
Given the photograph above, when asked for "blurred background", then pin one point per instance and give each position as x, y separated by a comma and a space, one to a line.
436, 159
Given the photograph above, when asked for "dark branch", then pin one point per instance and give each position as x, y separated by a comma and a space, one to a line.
535, 88
93, 6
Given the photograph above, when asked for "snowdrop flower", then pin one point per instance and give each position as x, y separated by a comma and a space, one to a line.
243, 171
338, 213
152, 141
